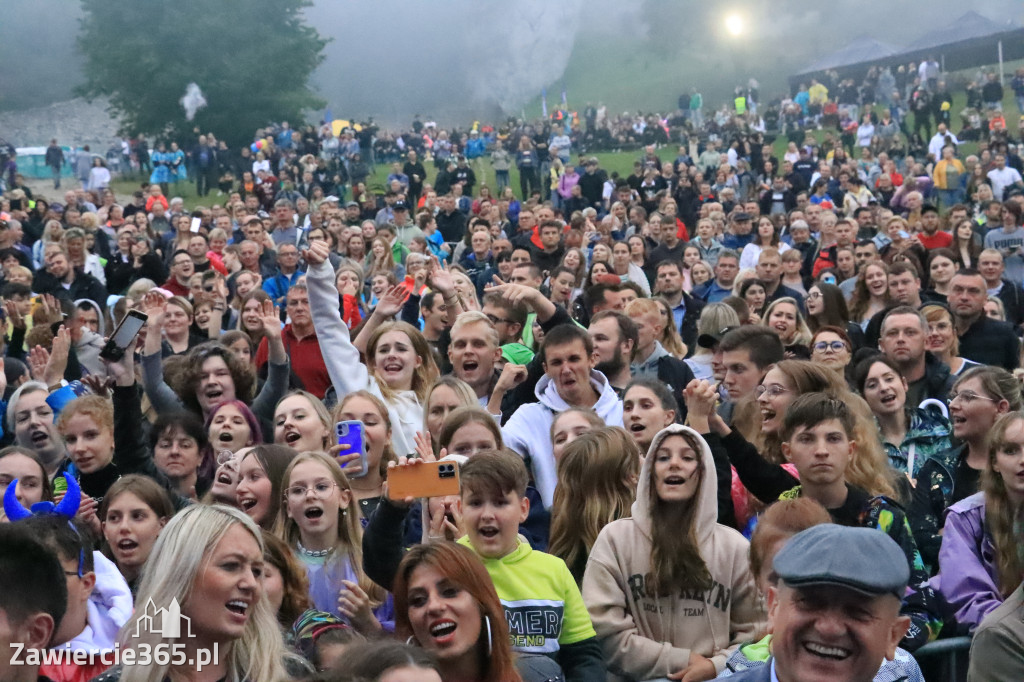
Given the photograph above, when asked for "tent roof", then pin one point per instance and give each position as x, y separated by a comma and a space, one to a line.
968, 27
862, 49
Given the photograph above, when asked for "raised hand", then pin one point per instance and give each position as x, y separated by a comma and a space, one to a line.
700, 397
354, 604
154, 305
99, 385
38, 357
50, 309
511, 376
122, 371
514, 293
17, 321
270, 318
440, 277
317, 253
425, 448
58, 361
390, 304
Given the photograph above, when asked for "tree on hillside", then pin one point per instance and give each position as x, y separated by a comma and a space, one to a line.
251, 58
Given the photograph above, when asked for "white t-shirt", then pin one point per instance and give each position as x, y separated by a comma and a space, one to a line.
1001, 179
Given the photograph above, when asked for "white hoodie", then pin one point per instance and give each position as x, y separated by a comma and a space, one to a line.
528, 431
108, 609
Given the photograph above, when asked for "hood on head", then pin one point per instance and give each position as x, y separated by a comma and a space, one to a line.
707, 494
102, 329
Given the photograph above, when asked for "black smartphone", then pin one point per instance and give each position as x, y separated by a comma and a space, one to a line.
123, 336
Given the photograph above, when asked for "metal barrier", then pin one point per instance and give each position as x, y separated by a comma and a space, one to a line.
946, 658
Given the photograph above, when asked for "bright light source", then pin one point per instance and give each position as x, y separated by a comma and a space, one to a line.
734, 24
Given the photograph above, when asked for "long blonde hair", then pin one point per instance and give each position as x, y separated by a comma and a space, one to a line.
179, 556
350, 527
597, 477
1002, 519
802, 333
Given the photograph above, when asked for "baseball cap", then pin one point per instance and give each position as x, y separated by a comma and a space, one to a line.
352, 203
400, 206
864, 560
710, 341
740, 216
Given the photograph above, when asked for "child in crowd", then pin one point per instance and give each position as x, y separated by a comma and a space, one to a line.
543, 606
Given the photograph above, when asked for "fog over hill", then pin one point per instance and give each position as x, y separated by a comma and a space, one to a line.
462, 59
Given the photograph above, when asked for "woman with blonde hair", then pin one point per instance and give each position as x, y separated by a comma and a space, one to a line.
942, 339
980, 562
209, 560
784, 316
597, 477
569, 425
671, 340
714, 318
302, 423
380, 260
320, 521
53, 233
445, 395
754, 443
378, 438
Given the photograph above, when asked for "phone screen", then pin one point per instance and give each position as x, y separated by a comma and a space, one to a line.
128, 330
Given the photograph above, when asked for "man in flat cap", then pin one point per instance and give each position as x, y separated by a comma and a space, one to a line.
834, 612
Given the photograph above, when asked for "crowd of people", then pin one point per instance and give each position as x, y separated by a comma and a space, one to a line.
729, 415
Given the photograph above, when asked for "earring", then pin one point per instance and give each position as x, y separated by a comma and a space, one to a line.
487, 622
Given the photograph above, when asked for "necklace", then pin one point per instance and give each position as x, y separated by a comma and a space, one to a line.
316, 553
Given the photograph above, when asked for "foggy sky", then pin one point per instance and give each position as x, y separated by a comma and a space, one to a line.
456, 60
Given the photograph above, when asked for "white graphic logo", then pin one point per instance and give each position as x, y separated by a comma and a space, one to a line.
163, 622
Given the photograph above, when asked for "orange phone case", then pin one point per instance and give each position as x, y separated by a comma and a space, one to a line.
425, 479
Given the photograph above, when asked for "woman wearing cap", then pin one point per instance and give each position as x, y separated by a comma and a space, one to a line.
650, 580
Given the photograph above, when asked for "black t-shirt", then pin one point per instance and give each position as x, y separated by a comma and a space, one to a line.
663, 252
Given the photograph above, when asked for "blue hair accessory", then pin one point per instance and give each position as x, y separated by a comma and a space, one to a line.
67, 507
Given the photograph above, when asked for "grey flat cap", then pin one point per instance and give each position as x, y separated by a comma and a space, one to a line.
865, 560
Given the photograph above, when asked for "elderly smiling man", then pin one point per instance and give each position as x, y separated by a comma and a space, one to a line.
834, 613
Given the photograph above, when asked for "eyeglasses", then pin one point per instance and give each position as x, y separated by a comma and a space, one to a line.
773, 391
835, 346
320, 490
814, 294
968, 397
499, 320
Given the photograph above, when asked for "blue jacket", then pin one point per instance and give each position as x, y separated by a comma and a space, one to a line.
278, 285
475, 148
